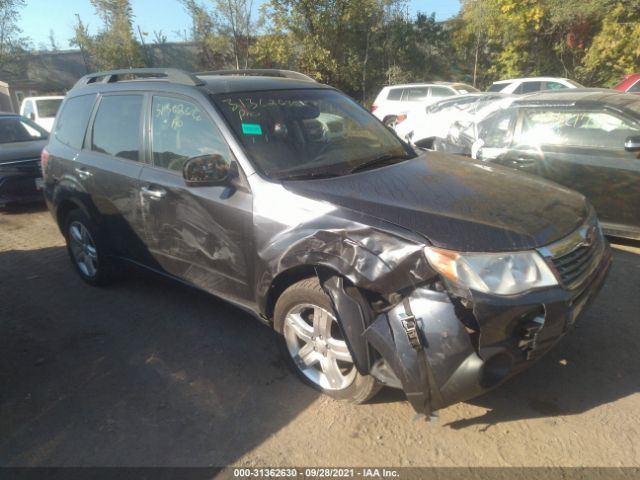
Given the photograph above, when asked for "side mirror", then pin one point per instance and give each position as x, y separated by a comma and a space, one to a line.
208, 171
32, 117
632, 144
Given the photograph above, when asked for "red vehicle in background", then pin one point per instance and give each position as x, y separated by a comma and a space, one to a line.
630, 84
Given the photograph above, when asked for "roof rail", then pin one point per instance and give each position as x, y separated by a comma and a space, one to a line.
172, 75
264, 72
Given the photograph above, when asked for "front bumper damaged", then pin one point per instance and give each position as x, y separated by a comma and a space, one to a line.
441, 352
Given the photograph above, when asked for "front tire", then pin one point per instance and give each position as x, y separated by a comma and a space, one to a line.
87, 251
311, 341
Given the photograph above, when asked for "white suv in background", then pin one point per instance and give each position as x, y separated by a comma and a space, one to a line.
41, 110
532, 84
395, 100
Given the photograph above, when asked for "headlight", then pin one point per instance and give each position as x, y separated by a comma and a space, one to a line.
498, 273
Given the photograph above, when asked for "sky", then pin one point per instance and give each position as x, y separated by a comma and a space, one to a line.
39, 17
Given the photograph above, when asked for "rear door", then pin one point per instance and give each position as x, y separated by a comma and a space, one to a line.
199, 234
109, 166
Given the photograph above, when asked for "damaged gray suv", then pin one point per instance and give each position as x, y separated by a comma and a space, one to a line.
376, 264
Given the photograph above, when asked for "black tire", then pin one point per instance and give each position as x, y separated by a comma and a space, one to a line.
105, 271
309, 291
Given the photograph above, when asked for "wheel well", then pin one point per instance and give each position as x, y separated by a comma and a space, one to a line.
388, 117
287, 278
63, 210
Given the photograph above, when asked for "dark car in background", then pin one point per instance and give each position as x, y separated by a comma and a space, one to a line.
21, 142
586, 139
375, 263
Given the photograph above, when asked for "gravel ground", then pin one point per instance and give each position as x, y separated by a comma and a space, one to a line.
151, 373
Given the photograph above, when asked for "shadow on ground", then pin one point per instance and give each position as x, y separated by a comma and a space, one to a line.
146, 372
149, 372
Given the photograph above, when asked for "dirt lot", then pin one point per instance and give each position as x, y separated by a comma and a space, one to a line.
152, 373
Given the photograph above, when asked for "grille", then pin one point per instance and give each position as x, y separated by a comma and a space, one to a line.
576, 265
572, 266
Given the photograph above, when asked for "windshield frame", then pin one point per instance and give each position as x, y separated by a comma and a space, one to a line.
405, 151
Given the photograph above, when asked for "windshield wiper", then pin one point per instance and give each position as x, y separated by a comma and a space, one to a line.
379, 161
308, 176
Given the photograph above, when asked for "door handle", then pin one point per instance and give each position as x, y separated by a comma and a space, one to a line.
83, 173
154, 192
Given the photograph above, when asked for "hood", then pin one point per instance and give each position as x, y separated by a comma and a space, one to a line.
457, 203
11, 152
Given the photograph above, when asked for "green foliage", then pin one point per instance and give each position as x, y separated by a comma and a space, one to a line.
357, 45
593, 41
615, 49
12, 46
221, 31
114, 46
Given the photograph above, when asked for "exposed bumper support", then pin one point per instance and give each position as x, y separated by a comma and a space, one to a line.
452, 365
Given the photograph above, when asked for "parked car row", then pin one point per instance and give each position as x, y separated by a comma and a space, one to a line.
397, 100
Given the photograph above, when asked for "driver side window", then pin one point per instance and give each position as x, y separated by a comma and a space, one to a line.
182, 130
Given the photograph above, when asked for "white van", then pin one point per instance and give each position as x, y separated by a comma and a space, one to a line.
41, 110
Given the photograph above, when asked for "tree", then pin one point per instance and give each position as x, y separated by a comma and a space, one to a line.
53, 44
212, 48
415, 49
614, 49
333, 41
506, 38
236, 24
12, 45
115, 45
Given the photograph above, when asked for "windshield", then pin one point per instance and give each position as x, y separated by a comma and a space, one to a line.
48, 108
314, 133
16, 129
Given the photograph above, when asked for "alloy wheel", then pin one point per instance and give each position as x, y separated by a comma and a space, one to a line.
83, 249
317, 348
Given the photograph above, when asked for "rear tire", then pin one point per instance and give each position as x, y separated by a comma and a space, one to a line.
311, 342
87, 249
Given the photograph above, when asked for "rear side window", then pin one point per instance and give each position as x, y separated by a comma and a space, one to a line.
555, 86
116, 129
498, 87
181, 130
440, 92
395, 94
634, 88
415, 94
529, 87
72, 122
